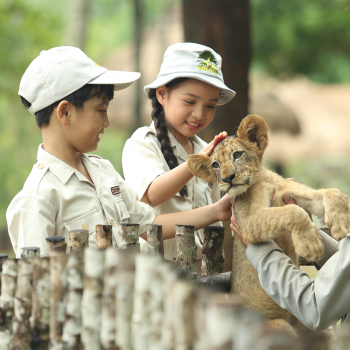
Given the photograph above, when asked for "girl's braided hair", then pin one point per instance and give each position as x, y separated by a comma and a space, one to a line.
162, 130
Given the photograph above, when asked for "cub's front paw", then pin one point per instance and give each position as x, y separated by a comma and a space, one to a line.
308, 243
339, 223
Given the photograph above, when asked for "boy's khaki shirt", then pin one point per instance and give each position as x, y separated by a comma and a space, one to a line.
56, 199
143, 161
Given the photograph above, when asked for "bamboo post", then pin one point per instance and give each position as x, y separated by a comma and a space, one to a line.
129, 236
124, 297
78, 239
144, 267
8, 285
213, 250
156, 304
108, 318
103, 236
41, 303
186, 249
91, 302
56, 244
23, 306
72, 325
168, 336
220, 281
30, 252
58, 281
155, 243
3, 257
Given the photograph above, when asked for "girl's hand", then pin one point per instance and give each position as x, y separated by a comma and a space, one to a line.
223, 207
208, 149
235, 228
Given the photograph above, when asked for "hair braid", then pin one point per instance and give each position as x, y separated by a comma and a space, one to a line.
162, 135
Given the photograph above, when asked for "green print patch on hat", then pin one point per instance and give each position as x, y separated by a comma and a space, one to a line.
208, 62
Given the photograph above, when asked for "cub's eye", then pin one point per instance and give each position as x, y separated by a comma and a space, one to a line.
237, 154
215, 165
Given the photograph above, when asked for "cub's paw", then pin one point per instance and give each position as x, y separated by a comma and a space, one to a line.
339, 224
308, 243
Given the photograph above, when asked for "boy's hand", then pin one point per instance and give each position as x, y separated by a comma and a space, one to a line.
235, 228
208, 149
223, 207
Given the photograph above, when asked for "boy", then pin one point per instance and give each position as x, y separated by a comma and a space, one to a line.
68, 189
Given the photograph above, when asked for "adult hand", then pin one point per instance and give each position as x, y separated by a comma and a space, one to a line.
208, 149
235, 228
223, 208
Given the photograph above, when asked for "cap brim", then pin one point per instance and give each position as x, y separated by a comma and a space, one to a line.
119, 79
226, 94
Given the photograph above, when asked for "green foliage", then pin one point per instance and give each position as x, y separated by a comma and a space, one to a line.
308, 37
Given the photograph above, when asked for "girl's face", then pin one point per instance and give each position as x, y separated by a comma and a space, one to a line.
188, 107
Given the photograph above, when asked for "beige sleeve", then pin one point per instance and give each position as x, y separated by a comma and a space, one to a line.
140, 213
30, 219
141, 163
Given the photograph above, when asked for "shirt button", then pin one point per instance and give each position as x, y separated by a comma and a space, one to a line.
85, 226
41, 166
111, 222
196, 178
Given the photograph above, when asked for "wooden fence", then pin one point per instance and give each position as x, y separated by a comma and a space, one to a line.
118, 298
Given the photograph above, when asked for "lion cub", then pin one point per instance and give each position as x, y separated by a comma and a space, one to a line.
236, 165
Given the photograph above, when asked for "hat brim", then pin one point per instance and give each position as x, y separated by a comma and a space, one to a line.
226, 94
120, 79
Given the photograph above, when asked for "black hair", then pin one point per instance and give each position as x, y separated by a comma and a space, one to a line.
76, 98
162, 130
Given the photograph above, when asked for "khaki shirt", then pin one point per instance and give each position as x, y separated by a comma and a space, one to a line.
143, 161
57, 198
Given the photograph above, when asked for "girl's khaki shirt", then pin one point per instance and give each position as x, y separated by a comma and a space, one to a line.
143, 161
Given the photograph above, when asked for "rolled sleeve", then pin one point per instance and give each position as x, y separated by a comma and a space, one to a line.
140, 213
141, 164
30, 220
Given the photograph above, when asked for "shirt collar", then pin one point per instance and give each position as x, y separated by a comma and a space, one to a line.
59, 168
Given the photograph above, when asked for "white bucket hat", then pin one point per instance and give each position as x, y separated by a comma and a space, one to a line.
189, 60
60, 71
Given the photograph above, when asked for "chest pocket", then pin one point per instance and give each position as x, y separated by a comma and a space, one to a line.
86, 222
121, 211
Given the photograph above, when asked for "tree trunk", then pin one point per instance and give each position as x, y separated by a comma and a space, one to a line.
91, 302
103, 236
41, 303
30, 252
128, 235
8, 289
186, 249
155, 243
72, 325
224, 26
58, 280
23, 306
213, 250
78, 239
56, 244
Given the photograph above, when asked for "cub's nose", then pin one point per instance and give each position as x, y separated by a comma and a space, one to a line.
228, 179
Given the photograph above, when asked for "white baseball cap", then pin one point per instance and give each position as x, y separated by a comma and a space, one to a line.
189, 60
60, 71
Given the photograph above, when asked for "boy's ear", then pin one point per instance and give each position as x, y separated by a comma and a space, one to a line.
253, 132
200, 166
62, 112
161, 92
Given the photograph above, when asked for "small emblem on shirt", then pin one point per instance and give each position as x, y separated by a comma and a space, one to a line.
115, 190
210, 184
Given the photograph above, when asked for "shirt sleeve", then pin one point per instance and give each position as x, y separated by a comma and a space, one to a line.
140, 213
318, 302
30, 219
141, 163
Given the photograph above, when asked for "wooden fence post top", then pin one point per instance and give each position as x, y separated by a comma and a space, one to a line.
30, 252
3, 256
103, 236
55, 238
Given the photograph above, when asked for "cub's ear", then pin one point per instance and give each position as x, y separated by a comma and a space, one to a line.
253, 132
200, 166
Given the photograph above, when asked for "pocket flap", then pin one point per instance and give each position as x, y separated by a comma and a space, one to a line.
86, 222
121, 210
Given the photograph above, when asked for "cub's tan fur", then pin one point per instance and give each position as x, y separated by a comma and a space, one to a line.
236, 165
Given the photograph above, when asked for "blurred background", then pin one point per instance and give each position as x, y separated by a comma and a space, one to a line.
288, 60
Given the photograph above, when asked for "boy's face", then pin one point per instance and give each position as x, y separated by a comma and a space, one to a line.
88, 123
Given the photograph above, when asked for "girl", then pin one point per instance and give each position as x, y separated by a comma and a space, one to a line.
184, 98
